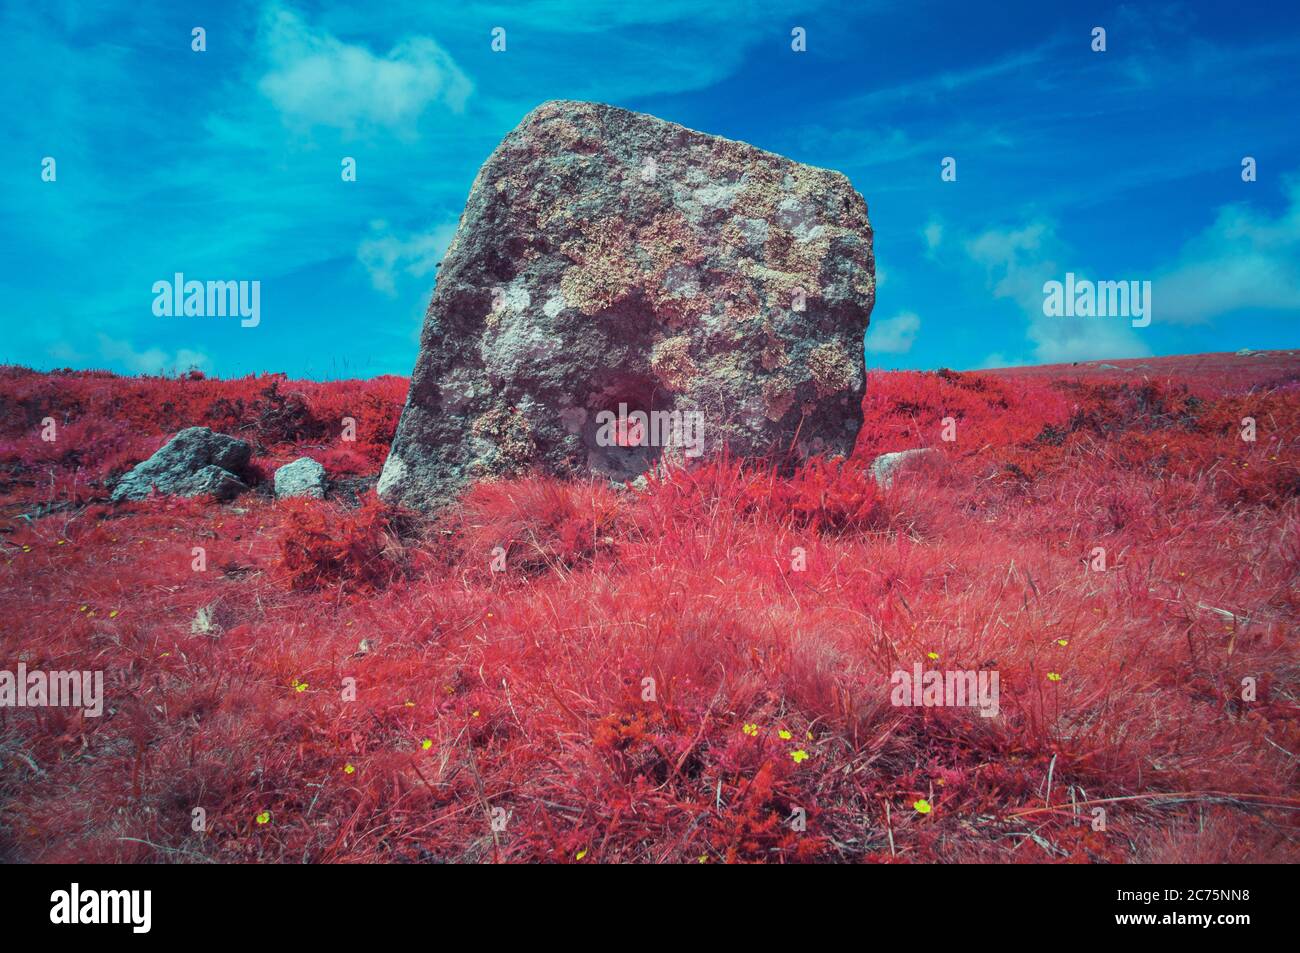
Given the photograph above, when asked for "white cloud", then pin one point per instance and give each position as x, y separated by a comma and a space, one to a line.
942, 86
152, 361
1014, 260
997, 359
894, 335
386, 255
1244, 260
1017, 262
933, 235
316, 79
1063, 340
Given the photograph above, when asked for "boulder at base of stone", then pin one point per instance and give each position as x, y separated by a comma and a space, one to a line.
195, 462
889, 465
303, 477
610, 265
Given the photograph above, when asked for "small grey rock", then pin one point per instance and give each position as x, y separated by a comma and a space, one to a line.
888, 465
640, 483
194, 462
302, 477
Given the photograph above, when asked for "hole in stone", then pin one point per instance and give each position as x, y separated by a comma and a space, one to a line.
618, 444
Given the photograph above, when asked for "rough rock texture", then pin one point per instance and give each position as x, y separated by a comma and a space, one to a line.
302, 477
608, 257
194, 462
889, 465
211, 481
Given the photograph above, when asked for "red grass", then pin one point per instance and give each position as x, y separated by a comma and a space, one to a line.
526, 690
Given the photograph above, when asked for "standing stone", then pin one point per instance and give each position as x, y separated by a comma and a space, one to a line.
609, 258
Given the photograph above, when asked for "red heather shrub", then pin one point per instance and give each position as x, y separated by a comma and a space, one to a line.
325, 546
1160, 428
758, 824
341, 461
112, 422
373, 407
906, 409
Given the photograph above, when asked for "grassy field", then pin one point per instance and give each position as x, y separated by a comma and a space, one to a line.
696, 672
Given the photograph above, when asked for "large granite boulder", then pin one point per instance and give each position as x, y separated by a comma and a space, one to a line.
195, 462
609, 261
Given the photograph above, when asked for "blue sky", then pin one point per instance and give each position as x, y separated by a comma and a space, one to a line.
225, 164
